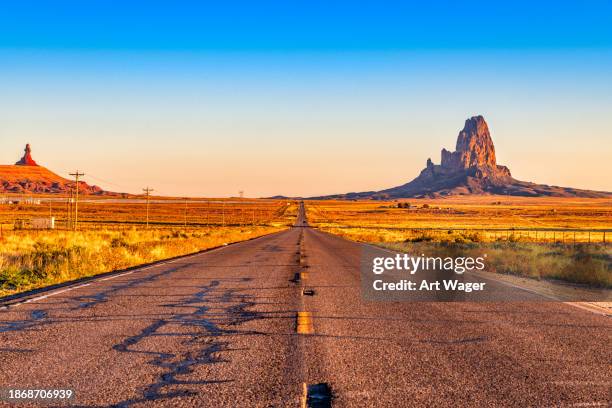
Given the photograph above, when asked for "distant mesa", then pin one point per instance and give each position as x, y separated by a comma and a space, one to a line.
26, 176
471, 169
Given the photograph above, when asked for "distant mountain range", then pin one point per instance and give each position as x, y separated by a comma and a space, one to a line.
471, 169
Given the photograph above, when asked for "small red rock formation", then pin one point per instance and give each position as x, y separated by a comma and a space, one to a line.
27, 160
26, 176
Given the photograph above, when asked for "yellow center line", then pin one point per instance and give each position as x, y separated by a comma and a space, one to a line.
304, 323
304, 397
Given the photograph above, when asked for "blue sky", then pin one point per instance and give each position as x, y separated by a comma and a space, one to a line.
201, 98
304, 25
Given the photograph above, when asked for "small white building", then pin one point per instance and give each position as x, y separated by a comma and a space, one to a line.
43, 223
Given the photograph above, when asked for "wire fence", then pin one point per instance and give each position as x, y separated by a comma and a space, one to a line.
541, 235
556, 235
120, 214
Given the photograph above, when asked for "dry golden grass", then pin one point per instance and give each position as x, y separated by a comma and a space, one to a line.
109, 212
112, 235
469, 215
522, 236
33, 259
582, 263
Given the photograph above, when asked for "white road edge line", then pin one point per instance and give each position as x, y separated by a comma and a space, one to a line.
51, 294
114, 276
109, 278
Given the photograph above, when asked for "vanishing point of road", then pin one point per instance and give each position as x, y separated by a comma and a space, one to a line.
232, 327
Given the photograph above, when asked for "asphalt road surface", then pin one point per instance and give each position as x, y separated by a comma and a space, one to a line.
221, 329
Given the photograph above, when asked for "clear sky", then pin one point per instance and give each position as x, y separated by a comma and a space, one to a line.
303, 98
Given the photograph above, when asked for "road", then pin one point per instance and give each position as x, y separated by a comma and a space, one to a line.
220, 329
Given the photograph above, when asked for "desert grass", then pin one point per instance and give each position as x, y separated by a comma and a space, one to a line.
33, 259
458, 225
485, 216
589, 264
398, 234
116, 212
582, 264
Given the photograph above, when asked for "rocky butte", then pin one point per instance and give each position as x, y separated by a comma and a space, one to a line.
471, 169
26, 176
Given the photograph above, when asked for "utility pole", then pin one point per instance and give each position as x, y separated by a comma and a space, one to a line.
147, 191
223, 214
185, 213
68, 210
71, 208
76, 175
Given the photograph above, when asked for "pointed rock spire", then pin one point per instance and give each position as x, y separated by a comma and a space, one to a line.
474, 147
27, 160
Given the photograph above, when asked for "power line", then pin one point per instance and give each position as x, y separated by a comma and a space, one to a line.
185, 213
106, 181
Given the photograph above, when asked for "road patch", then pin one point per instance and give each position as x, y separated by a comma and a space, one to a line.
316, 395
308, 292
